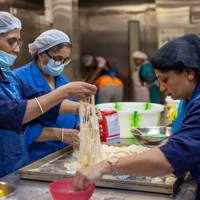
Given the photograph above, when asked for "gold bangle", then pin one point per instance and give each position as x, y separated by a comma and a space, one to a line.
39, 105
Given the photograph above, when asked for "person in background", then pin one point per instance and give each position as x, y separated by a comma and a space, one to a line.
99, 72
144, 79
51, 52
20, 104
177, 66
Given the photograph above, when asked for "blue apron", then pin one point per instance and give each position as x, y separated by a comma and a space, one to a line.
177, 123
13, 147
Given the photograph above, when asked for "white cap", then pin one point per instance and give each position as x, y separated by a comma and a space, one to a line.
8, 22
101, 62
47, 40
140, 55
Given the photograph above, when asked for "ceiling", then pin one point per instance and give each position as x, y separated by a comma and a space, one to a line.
39, 4
89, 3
22, 4
35, 2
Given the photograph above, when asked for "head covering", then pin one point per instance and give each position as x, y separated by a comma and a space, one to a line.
140, 55
8, 22
47, 40
180, 53
87, 59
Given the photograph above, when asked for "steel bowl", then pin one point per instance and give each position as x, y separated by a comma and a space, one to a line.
7, 191
143, 134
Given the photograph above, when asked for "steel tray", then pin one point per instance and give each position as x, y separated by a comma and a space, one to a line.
51, 168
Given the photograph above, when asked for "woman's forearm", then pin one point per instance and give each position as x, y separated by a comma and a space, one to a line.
76, 90
150, 163
142, 164
69, 107
50, 134
46, 102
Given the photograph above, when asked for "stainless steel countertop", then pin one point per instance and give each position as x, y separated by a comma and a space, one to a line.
38, 190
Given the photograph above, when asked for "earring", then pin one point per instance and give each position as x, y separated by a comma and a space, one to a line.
190, 77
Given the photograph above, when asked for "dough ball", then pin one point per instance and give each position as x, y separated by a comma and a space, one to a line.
170, 180
157, 180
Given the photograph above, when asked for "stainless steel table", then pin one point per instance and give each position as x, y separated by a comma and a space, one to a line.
38, 190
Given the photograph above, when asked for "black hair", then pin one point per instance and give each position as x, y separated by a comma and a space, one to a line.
178, 55
178, 68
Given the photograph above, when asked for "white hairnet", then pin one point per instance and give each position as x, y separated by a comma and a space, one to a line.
47, 40
140, 54
87, 59
8, 22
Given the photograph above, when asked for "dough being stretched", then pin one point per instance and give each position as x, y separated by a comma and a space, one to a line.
90, 146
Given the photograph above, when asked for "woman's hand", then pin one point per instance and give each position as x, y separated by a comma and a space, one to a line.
97, 111
87, 175
98, 114
71, 136
79, 90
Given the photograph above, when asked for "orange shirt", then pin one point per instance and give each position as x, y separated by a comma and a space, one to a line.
105, 79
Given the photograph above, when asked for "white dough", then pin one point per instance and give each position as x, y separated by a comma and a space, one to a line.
157, 180
170, 180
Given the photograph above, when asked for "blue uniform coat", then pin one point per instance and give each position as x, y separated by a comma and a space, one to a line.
13, 101
32, 75
183, 147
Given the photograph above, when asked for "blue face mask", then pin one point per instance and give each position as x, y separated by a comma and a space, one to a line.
51, 69
6, 60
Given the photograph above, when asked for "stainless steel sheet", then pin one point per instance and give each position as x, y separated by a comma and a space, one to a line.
51, 168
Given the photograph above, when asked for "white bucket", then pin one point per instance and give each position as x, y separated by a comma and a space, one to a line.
134, 114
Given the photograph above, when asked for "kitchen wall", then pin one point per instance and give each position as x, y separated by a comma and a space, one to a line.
33, 23
104, 31
102, 28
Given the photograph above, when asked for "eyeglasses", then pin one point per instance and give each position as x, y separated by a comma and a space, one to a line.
58, 60
13, 42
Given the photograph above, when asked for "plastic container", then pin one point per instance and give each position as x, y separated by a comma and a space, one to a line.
134, 114
172, 107
63, 190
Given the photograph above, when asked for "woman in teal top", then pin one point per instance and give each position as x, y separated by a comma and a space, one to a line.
146, 76
51, 52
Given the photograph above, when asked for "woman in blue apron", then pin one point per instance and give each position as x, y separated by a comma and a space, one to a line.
177, 67
49, 50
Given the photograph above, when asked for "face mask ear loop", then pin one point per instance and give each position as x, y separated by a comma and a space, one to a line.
41, 61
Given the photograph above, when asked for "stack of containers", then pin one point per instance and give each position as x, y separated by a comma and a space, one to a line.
172, 108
